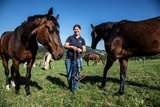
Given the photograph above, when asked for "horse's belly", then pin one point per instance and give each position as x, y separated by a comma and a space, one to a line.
144, 52
23, 56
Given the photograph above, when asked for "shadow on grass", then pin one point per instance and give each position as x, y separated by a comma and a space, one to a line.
98, 79
56, 80
65, 75
22, 81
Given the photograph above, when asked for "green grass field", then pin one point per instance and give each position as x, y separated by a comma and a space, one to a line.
50, 88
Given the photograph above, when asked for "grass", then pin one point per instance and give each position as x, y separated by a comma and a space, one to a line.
50, 88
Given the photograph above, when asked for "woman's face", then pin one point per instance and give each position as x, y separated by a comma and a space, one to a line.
77, 31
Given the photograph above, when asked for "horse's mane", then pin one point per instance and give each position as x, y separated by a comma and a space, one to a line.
31, 18
110, 25
106, 25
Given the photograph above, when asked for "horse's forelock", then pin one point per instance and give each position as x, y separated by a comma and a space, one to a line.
54, 20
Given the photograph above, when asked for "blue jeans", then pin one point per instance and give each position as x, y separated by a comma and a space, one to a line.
73, 72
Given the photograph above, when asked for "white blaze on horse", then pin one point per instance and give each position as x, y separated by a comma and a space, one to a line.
47, 60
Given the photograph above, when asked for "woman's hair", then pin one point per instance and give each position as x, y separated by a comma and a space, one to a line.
77, 25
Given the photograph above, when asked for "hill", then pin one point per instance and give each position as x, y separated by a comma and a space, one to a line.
42, 51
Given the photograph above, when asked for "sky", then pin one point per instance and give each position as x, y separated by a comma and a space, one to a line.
83, 12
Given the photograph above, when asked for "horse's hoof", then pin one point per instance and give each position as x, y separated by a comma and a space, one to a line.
7, 87
119, 93
17, 92
28, 94
13, 84
102, 88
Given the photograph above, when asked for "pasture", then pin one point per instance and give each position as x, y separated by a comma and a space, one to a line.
50, 88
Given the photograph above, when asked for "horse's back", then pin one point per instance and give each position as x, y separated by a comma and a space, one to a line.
143, 36
150, 27
93, 56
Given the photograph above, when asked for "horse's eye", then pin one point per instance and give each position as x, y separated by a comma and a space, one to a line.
50, 30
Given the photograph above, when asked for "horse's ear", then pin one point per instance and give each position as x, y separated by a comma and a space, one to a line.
50, 12
92, 26
57, 17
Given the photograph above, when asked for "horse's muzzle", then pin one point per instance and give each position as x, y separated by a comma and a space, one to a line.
57, 56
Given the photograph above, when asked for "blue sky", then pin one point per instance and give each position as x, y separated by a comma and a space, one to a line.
83, 12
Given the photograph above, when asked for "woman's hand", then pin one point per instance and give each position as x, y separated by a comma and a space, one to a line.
74, 48
79, 50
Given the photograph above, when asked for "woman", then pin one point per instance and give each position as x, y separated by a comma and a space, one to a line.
75, 46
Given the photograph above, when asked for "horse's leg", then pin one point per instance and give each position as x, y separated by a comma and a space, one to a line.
12, 76
94, 62
123, 68
5, 65
109, 63
50, 65
88, 62
15, 69
28, 76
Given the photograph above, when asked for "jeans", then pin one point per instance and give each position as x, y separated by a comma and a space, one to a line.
73, 72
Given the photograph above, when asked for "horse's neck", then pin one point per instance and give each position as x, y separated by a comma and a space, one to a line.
23, 36
26, 32
104, 37
106, 34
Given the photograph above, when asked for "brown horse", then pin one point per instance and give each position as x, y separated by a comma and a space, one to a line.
93, 56
21, 45
126, 39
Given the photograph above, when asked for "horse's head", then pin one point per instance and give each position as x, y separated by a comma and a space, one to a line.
100, 32
48, 36
95, 37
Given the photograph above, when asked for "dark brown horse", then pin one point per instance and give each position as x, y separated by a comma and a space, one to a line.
126, 39
21, 45
93, 56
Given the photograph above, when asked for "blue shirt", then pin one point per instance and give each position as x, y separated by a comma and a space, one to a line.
73, 41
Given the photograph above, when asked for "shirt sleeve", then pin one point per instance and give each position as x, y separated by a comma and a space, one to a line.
83, 43
68, 39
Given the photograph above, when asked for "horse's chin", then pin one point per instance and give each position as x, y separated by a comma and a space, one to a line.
57, 56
